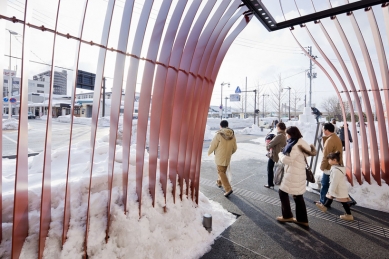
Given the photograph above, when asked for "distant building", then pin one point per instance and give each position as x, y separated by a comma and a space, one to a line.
60, 80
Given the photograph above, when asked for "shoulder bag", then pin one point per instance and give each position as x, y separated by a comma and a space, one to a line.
278, 173
308, 172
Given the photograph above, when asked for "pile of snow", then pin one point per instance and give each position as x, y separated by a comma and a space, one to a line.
233, 123
253, 130
208, 135
10, 124
178, 232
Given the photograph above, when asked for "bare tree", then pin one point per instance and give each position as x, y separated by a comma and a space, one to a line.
332, 106
277, 95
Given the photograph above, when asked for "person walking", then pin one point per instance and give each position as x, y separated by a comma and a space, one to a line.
341, 136
293, 156
274, 147
338, 187
223, 145
331, 144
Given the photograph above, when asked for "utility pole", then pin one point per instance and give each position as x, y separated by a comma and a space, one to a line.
310, 75
245, 100
221, 98
255, 103
225, 108
103, 111
264, 104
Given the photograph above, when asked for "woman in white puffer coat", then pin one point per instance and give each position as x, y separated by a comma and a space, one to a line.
294, 180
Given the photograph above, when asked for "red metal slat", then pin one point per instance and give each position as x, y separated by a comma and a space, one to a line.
116, 101
167, 107
129, 97
3, 6
145, 95
348, 163
356, 156
194, 142
45, 215
20, 210
187, 127
96, 106
66, 212
349, 177
383, 147
159, 89
181, 86
204, 104
374, 159
385, 84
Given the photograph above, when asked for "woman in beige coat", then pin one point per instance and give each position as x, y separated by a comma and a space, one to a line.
294, 180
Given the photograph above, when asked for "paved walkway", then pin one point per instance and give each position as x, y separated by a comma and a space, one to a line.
257, 234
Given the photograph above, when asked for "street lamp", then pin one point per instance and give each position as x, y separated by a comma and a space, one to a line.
264, 104
225, 108
289, 99
9, 75
221, 99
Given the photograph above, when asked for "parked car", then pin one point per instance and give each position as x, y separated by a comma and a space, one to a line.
31, 115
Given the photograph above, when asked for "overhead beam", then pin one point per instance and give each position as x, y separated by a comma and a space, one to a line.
259, 9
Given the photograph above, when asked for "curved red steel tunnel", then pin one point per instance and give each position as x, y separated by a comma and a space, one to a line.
184, 59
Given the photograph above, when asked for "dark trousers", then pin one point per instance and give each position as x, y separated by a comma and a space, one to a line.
343, 144
301, 210
270, 172
345, 205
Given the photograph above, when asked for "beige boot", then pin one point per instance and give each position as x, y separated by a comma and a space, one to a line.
321, 207
347, 217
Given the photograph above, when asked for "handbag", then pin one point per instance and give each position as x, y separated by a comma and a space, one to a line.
308, 172
278, 173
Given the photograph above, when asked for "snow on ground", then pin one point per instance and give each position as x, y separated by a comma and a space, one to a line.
10, 124
157, 234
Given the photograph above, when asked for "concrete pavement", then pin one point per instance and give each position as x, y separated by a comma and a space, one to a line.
257, 234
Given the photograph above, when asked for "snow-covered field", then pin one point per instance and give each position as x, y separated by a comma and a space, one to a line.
178, 233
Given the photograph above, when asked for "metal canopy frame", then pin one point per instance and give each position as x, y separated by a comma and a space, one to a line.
264, 16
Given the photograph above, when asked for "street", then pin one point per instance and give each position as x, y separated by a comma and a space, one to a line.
37, 133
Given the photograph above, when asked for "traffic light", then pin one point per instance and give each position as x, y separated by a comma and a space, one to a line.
256, 111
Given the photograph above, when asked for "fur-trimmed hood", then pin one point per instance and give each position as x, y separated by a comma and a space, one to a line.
311, 152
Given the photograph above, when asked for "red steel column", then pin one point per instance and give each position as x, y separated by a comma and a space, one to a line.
181, 87
204, 103
201, 91
116, 101
20, 210
66, 212
3, 6
159, 90
373, 147
45, 215
193, 95
348, 157
145, 95
96, 105
213, 71
167, 107
129, 97
364, 147
385, 84
377, 99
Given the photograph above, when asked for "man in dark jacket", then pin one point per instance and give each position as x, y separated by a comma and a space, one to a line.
341, 135
317, 113
275, 146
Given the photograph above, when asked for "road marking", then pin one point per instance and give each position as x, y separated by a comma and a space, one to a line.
29, 150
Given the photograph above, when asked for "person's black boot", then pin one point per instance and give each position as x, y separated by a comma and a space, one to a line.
328, 203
